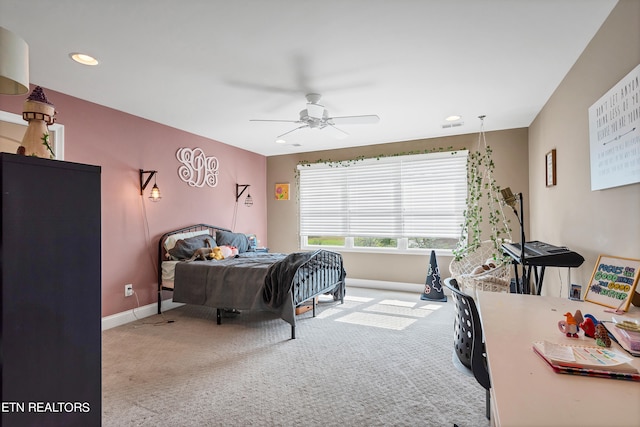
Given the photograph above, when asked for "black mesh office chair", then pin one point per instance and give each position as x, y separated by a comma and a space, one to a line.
468, 339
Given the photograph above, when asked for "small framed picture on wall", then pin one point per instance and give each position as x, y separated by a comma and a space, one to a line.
550, 168
282, 191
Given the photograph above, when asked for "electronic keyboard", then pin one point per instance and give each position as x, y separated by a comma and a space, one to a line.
543, 254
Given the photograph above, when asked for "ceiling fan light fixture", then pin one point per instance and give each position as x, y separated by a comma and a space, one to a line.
315, 111
315, 116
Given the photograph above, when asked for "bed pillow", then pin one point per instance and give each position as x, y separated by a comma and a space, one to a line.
184, 248
227, 238
170, 241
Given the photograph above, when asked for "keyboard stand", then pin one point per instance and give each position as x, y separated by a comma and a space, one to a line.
523, 284
538, 272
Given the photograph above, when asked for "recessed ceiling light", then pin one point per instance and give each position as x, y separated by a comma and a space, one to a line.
453, 118
280, 141
83, 58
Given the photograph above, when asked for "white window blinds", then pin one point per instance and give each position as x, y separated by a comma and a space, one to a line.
404, 196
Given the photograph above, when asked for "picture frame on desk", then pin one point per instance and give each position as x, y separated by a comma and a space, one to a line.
613, 282
575, 292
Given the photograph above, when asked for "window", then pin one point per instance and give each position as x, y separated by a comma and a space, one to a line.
400, 203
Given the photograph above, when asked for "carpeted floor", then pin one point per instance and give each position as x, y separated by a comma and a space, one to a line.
381, 359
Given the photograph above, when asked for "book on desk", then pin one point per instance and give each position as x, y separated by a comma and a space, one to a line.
586, 360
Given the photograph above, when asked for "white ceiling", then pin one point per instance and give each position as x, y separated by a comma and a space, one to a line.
208, 66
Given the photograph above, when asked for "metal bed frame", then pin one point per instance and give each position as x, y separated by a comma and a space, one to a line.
311, 279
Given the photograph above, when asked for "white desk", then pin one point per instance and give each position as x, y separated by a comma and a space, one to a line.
524, 389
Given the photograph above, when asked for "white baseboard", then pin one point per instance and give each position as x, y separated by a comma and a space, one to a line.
128, 316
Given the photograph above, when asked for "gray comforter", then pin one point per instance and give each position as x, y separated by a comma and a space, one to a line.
277, 282
221, 284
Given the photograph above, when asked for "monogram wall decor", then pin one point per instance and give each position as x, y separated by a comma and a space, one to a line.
197, 169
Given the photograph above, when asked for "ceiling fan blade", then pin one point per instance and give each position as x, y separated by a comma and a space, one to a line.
292, 130
354, 120
263, 87
300, 67
279, 121
338, 133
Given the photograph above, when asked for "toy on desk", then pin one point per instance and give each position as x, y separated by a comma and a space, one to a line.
589, 327
578, 318
592, 317
602, 336
569, 327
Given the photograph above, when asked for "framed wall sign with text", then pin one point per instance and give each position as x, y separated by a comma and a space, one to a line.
614, 132
613, 281
550, 168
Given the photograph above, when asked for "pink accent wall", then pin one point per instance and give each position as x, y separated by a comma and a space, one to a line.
132, 224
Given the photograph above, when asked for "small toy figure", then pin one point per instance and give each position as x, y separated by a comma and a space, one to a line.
588, 327
569, 327
217, 253
578, 317
601, 336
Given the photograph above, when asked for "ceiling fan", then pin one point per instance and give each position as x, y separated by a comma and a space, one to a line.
315, 116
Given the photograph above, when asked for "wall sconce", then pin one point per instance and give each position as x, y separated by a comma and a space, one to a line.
248, 201
155, 191
14, 64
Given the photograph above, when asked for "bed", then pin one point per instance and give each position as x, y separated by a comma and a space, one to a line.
248, 280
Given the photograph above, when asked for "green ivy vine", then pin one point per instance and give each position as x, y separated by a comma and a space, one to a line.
345, 163
482, 192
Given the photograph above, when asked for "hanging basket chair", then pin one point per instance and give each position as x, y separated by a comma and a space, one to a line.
480, 264
495, 276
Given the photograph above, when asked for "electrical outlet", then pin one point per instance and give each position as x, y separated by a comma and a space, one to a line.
128, 290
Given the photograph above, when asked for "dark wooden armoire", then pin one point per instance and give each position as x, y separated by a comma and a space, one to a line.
50, 261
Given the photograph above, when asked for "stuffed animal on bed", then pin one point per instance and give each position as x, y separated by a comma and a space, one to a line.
202, 253
224, 251
217, 253
228, 251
